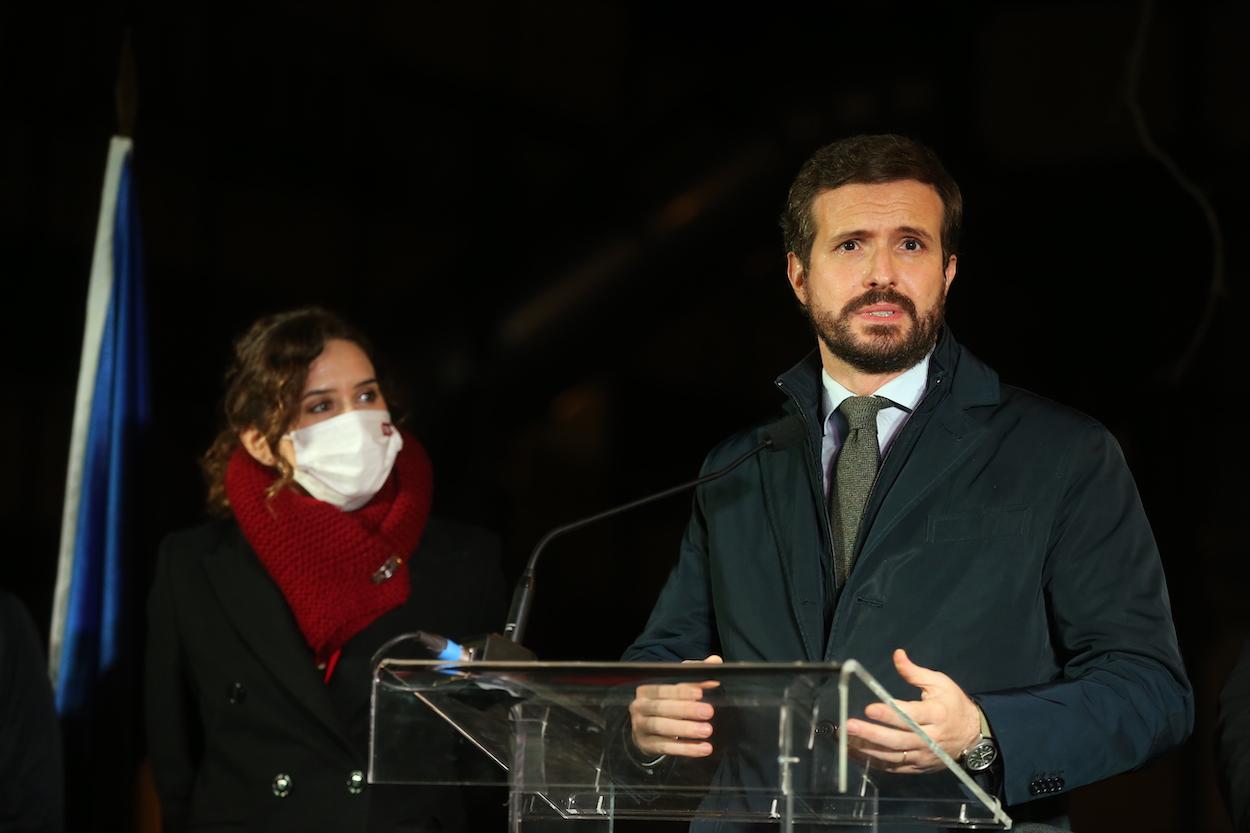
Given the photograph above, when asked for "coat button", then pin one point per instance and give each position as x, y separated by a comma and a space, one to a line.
356, 782
826, 728
282, 785
236, 693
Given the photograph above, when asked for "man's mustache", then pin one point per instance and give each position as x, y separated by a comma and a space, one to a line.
879, 296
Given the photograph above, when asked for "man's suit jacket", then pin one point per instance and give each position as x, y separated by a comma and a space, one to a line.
1004, 544
234, 701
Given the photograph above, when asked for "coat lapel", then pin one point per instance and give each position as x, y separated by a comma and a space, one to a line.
789, 509
257, 610
938, 437
941, 445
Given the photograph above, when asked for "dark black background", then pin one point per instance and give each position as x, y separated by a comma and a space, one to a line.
558, 221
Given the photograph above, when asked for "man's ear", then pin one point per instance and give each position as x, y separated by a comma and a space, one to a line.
797, 275
256, 445
949, 272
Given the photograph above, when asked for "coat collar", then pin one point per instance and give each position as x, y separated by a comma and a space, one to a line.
975, 383
942, 432
257, 610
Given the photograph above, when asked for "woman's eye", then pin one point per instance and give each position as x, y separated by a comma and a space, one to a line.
319, 407
368, 396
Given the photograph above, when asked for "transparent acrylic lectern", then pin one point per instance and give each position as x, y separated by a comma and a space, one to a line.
556, 735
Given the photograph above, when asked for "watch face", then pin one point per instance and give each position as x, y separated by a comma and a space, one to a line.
981, 756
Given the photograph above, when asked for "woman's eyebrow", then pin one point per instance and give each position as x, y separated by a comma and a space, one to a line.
322, 391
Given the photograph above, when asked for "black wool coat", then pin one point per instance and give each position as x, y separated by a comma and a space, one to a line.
243, 732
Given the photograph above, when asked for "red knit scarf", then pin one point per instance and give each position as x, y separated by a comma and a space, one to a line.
324, 559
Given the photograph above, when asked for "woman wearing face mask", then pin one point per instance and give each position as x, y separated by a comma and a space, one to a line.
262, 622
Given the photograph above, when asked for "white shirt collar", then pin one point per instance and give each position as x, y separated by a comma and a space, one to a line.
906, 389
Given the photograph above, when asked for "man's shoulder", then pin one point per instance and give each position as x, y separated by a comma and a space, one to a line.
981, 392
1041, 412
746, 439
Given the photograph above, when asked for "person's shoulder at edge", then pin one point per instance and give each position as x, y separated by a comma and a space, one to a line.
16, 623
10, 608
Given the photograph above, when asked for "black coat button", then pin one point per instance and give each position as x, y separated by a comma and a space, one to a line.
236, 693
1046, 784
826, 728
282, 785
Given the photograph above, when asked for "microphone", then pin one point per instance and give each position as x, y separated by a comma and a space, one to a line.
776, 436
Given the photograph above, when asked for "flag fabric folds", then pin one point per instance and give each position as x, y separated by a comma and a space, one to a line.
90, 621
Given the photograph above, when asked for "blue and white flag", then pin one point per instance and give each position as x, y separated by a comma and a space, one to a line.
89, 619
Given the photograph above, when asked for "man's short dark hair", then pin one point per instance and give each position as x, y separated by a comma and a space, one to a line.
867, 160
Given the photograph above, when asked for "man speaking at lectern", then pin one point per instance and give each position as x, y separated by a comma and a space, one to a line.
982, 551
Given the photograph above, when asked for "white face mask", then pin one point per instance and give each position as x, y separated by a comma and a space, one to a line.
346, 459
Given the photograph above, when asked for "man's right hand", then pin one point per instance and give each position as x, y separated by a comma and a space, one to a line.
673, 719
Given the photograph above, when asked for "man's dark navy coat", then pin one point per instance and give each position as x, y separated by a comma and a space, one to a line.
1004, 544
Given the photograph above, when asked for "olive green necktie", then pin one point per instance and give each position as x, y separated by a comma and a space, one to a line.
855, 473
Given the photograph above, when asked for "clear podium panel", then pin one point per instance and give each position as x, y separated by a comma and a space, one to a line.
558, 736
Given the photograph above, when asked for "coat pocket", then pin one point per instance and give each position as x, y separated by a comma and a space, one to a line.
971, 526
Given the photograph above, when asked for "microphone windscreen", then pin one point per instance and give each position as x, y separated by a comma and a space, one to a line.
784, 433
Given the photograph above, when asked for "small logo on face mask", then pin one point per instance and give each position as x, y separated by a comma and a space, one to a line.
387, 429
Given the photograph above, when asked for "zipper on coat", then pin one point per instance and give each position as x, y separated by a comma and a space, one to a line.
859, 539
817, 480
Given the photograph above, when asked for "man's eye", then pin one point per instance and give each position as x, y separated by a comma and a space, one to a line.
911, 244
848, 245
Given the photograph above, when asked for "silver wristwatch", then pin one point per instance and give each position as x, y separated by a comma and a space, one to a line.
980, 756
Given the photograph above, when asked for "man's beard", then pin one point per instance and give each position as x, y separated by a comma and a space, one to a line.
884, 348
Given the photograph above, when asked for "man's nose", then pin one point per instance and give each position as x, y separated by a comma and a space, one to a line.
882, 270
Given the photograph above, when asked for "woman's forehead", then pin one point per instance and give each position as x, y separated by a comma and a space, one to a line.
341, 363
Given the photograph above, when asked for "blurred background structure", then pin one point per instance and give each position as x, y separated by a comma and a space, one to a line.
558, 221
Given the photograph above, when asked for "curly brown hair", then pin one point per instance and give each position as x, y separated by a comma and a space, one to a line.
264, 385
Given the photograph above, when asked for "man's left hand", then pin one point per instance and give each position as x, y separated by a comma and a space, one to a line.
943, 711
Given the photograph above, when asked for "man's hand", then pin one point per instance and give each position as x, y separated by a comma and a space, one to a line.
944, 712
672, 719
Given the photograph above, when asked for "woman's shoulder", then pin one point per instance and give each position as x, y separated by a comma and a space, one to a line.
199, 540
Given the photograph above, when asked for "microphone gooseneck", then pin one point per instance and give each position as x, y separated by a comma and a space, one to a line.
776, 436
